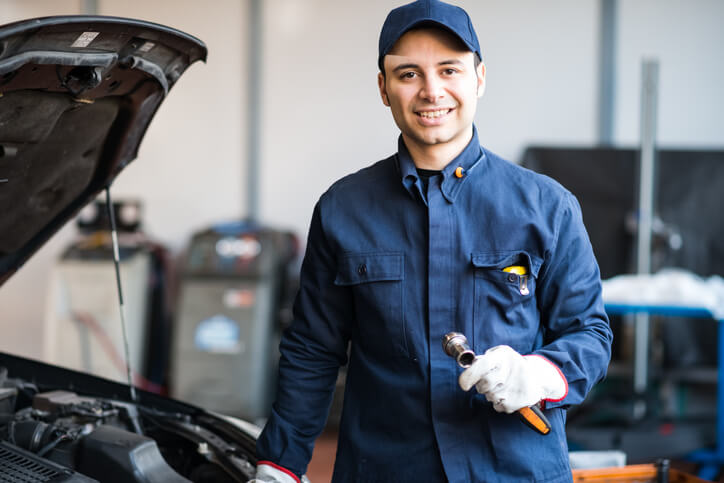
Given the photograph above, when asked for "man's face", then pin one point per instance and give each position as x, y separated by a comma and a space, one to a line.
431, 86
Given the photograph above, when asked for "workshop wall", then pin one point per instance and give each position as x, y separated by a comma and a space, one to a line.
191, 163
686, 37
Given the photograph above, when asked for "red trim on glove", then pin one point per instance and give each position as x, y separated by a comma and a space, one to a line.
277, 467
565, 381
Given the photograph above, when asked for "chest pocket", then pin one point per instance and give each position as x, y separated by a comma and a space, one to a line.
505, 310
376, 281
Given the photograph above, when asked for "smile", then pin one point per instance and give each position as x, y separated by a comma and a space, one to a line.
433, 114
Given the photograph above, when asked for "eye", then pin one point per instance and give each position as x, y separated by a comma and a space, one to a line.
408, 75
450, 71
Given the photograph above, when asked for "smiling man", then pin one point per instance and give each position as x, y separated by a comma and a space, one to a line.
432, 90
441, 236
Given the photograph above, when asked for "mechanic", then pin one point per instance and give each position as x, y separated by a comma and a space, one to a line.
442, 236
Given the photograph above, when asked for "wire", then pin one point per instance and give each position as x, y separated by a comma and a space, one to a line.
109, 348
54, 443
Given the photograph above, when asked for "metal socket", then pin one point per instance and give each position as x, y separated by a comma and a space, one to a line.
456, 346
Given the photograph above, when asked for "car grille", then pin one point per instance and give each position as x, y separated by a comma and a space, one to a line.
18, 466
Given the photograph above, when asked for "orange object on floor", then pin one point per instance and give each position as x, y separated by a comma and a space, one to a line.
632, 474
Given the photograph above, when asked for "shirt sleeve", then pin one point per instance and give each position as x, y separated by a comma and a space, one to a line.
312, 350
577, 336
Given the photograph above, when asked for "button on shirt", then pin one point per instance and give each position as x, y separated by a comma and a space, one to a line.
390, 268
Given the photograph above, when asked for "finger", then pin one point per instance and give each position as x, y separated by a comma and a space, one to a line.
500, 349
508, 401
499, 406
506, 407
491, 382
503, 357
470, 376
499, 393
502, 404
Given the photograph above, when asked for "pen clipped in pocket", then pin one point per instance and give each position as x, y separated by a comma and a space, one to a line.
522, 275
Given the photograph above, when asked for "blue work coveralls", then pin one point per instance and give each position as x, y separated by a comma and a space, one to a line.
392, 269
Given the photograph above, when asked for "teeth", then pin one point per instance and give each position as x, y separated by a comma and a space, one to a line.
433, 114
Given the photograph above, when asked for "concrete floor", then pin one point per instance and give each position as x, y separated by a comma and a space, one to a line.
322, 463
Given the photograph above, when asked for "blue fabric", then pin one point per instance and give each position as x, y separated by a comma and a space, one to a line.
424, 12
391, 269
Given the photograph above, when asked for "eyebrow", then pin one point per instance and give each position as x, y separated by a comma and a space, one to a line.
405, 66
415, 66
451, 61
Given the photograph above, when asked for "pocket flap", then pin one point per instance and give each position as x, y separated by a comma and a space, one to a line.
358, 268
501, 259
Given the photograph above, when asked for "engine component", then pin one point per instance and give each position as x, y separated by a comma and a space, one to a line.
61, 403
20, 466
118, 456
31, 435
7, 400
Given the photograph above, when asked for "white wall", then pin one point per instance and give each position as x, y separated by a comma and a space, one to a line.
322, 113
687, 39
190, 165
322, 118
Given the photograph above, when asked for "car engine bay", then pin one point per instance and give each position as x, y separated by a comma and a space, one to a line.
58, 435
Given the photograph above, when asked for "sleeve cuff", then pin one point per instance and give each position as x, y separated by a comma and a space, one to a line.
283, 475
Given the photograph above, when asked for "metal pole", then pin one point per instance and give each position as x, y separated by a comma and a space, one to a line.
119, 288
89, 7
607, 72
254, 110
647, 171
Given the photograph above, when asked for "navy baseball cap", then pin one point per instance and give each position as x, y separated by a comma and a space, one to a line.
423, 12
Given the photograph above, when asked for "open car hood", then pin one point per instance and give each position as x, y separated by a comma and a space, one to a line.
77, 94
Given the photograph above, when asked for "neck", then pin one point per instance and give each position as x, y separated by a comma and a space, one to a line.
436, 156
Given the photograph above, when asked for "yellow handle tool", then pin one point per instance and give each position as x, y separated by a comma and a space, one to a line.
516, 269
456, 346
522, 277
534, 418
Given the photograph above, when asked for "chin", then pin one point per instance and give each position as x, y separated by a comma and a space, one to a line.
435, 138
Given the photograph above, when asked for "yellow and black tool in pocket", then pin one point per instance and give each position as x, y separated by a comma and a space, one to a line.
522, 274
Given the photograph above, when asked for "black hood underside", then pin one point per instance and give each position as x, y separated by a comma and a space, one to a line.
77, 94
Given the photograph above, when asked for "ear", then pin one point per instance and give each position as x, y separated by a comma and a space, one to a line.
383, 89
480, 71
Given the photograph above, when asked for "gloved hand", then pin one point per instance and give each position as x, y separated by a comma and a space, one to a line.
512, 381
268, 472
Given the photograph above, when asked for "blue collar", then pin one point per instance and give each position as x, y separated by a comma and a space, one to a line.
467, 160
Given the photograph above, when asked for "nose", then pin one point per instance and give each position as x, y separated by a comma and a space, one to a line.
432, 89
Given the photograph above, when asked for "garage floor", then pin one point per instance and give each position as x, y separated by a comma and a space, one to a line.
322, 464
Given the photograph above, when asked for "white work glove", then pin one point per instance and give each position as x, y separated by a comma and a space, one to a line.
512, 381
268, 473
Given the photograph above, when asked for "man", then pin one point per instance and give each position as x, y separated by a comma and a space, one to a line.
442, 236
